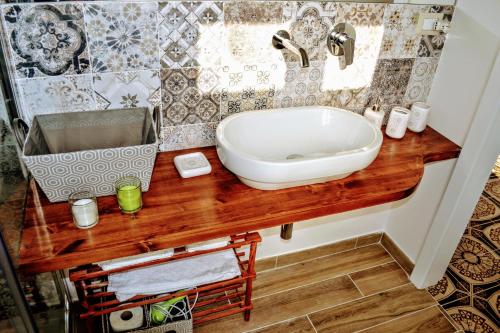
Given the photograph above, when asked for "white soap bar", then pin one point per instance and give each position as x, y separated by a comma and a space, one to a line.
191, 165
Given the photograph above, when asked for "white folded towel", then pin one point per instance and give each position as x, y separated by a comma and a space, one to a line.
208, 245
137, 259
175, 275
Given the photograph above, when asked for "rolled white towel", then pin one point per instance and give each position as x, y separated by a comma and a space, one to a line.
208, 245
137, 259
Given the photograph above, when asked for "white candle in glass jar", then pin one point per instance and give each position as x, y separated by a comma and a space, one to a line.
85, 213
418, 117
398, 120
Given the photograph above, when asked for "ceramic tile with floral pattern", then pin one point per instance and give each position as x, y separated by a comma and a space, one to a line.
431, 45
122, 36
400, 37
46, 40
389, 83
188, 136
312, 23
189, 96
249, 28
302, 86
190, 33
56, 94
421, 78
127, 89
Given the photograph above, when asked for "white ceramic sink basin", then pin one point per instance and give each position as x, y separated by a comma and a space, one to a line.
282, 148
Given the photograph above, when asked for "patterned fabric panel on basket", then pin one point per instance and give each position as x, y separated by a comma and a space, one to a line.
96, 170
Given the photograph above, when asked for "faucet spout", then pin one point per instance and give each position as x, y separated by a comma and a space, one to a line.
281, 40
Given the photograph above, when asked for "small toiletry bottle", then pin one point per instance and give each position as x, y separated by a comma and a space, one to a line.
374, 115
398, 120
418, 117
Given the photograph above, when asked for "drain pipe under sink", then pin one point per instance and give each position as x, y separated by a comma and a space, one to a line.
286, 231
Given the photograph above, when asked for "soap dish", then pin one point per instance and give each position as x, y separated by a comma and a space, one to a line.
192, 165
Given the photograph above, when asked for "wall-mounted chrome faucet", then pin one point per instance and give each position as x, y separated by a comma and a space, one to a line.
281, 40
341, 41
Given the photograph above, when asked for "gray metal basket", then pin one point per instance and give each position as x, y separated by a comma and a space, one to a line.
68, 152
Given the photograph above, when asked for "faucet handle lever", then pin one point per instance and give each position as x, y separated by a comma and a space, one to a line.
341, 43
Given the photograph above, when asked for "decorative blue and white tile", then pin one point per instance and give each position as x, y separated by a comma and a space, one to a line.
56, 94
421, 78
431, 45
302, 85
46, 40
400, 37
127, 89
122, 36
190, 33
188, 136
312, 23
189, 96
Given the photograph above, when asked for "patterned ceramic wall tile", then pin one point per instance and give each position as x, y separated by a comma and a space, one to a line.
127, 90
302, 86
313, 22
249, 87
188, 136
420, 82
189, 96
46, 39
389, 83
249, 28
190, 33
56, 94
122, 36
431, 46
349, 88
400, 36
359, 14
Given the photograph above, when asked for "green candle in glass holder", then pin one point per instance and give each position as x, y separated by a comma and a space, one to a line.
129, 194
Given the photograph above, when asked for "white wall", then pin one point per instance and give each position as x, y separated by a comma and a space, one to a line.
463, 72
410, 219
464, 67
324, 230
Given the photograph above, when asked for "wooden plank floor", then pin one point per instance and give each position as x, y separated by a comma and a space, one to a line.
352, 286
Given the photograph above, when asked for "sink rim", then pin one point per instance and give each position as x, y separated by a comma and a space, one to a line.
222, 140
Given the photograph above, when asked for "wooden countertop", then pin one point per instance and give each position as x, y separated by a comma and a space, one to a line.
180, 211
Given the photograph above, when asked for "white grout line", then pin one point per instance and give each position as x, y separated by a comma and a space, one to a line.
275, 262
320, 257
329, 278
310, 321
397, 262
391, 320
450, 320
354, 283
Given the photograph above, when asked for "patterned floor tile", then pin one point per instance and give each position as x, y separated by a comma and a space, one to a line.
122, 36
56, 94
492, 190
312, 23
485, 211
488, 233
390, 81
431, 45
190, 33
189, 96
400, 37
47, 39
302, 86
188, 136
127, 90
449, 289
421, 78
470, 318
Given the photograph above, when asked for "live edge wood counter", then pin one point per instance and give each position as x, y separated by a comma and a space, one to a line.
180, 211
